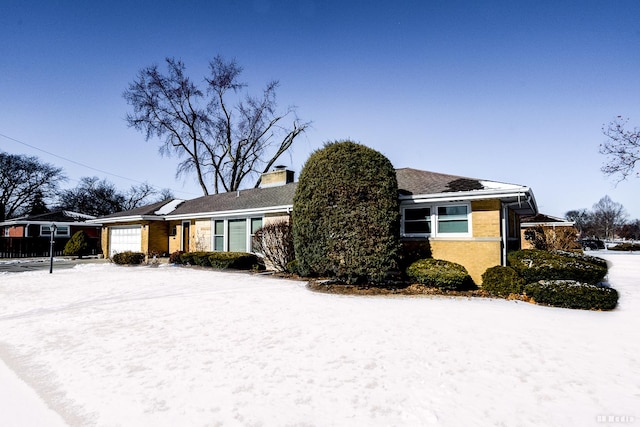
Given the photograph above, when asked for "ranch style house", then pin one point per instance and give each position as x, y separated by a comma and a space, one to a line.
469, 221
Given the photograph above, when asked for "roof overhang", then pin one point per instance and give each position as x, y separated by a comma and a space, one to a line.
15, 223
121, 219
231, 213
519, 199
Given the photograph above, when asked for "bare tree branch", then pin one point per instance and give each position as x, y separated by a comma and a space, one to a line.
222, 137
622, 147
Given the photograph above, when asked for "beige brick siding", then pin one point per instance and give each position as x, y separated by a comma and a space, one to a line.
201, 235
483, 249
475, 255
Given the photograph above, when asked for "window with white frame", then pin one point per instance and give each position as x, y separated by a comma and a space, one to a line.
61, 230
436, 220
453, 219
235, 235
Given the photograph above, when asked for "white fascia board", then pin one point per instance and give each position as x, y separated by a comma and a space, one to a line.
57, 223
466, 195
232, 213
548, 224
133, 218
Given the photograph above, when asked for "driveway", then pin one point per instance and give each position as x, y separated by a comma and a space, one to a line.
18, 265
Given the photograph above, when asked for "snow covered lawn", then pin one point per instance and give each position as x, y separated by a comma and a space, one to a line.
106, 345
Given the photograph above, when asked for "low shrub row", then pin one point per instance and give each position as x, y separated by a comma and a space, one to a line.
128, 258
629, 247
559, 279
535, 264
220, 260
572, 294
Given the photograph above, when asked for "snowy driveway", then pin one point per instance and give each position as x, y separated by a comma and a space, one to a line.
107, 345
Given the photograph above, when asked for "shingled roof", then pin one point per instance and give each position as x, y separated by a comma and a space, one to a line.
254, 198
146, 211
414, 181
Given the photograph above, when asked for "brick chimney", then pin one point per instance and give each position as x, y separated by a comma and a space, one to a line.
279, 176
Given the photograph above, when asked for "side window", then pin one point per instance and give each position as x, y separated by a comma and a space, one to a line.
453, 219
417, 220
218, 235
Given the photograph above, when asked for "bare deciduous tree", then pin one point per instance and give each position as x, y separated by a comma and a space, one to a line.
222, 134
96, 197
24, 181
608, 216
622, 147
275, 242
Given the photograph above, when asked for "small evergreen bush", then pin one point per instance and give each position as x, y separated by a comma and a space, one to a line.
78, 245
502, 281
292, 267
174, 258
235, 260
572, 294
439, 273
534, 265
128, 258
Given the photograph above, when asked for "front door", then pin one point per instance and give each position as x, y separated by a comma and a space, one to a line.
185, 236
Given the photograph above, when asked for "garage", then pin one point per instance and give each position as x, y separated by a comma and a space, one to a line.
122, 239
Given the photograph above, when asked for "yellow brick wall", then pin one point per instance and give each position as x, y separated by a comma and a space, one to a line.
483, 249
157, 238
175, 236
475, 255
485, 218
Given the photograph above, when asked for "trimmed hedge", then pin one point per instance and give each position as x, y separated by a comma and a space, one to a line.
630, 247
346, 218
441, 274
534, 265
502, 281
235, 260
128, 258
572, 294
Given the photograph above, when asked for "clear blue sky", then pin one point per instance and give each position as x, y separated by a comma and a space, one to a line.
512, 91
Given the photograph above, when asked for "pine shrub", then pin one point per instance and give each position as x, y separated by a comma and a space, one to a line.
572, 294
346, 215
128, 258
441, 274
502, 281
78, 245
534, 265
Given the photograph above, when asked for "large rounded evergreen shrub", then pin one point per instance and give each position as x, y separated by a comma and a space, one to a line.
345, 214
534, 265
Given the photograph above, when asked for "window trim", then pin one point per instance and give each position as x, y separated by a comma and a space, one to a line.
435, 220
225, 236
45, 231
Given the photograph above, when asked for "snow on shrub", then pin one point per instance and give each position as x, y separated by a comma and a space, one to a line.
534, 265
128, 258
502, 281
441, 274
572, 294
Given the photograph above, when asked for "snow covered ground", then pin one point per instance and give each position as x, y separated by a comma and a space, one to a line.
105, 345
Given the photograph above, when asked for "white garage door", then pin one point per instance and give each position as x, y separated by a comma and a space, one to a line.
122, 239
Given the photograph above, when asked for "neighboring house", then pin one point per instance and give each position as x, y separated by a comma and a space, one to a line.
548, 223
468, 221
31, 235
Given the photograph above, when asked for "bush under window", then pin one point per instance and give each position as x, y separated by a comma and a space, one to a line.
441, 274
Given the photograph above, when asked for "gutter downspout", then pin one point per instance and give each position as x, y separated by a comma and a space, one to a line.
505, 233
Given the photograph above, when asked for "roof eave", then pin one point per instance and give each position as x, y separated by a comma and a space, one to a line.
235, 212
